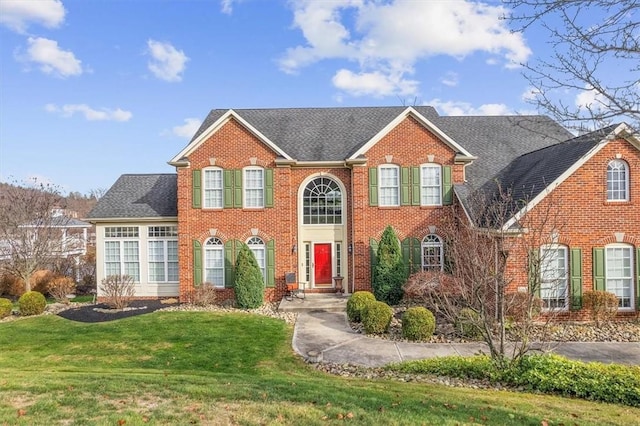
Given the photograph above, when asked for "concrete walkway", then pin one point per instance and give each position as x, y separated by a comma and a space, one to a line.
323, 336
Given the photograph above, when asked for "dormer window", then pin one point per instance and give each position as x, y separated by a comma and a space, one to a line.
617, 181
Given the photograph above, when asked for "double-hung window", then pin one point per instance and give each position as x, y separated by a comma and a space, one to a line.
212, 187
619, 273
430, 185
617, 181
163, 253
554, 277
254, 187
121, 251
214, 262
389, 185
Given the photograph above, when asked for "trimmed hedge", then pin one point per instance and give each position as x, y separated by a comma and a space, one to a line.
357, 303
376, 318
418, 323
551, 374
32, 303
5, 308
249, 284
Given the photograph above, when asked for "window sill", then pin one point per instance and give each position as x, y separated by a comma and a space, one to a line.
617, 203
389, 207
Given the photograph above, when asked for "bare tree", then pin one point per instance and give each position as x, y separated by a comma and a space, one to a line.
479, 279
30, 229
593, 56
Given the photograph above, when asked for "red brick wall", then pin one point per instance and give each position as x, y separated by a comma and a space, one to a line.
586, 219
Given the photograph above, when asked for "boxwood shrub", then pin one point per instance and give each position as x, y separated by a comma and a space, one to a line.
376, 318
357, 303
32, 303
5, 308
418, 323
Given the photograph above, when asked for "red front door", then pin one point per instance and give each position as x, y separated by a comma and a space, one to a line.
322, 259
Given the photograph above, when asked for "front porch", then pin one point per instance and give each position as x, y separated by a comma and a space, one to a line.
328, 302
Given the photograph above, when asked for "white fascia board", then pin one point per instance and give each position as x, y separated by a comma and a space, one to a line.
574, 167
410, 111
193, 145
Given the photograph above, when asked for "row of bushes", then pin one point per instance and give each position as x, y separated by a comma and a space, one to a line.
418, 323
552, 374
43, 281
30, 303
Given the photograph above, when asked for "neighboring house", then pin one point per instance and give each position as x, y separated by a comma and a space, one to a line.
310, 190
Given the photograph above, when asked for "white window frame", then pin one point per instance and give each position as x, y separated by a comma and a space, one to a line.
259, 249
612, 276
213, 245
319, 190
621, 193
126, 239
554, 277
383, 185
167, 236
425, 187
215, 200
432, 241
246, 189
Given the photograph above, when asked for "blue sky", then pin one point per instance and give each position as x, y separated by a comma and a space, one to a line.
90, 90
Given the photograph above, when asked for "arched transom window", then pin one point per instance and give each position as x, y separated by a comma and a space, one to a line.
617, 181
322, 202
432, 256
214, 262
256, 245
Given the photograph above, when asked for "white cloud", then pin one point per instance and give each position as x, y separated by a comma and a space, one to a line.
530, 94
18, 14
188, 129
590, 99
51, 58
167, 63
450, 79
375, 83
102, 114
226, 6
465, 108
389, 37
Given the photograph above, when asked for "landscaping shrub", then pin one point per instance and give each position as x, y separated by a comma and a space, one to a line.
11, 285
357, 303
418, 323
60, 287
32, 303
390, 273
204, 295
602, 305
40, 280
517, 306
5, 308
477, 367
376, 317
118, 290
467, 323
249, 284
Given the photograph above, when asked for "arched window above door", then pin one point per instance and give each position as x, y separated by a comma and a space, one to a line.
322, 202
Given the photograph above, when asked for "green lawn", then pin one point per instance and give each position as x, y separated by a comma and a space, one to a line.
214, 368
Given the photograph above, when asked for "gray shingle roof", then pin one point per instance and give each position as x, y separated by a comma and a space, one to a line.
139, 196
318, 134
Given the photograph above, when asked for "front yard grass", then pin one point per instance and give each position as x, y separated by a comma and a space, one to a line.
229, 368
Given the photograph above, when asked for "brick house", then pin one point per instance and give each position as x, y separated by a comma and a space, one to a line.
310, 190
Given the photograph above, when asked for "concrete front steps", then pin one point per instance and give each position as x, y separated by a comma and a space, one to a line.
328, 302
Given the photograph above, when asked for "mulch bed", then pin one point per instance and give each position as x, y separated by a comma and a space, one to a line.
102, 313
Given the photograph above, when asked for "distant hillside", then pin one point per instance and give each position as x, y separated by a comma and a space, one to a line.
73, 202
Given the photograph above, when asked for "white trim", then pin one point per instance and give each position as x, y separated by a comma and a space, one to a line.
213, 128
410, 111
632, 268
431, 166
625, 166
554, 247
622, 131
245, 187
204, 188
398, 184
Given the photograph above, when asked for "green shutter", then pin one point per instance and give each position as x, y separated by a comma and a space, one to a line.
638, 279
268, 187
598, 269
229, 264
373, 186
271, 264
404, 187
447, 185
406, 254
534, 272
237, 188
196, 186
228, 189
373, 254
416, 255
197, 263
415, 186
576, 279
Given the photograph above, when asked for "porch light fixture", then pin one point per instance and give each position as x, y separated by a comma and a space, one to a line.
294, 249
350, 248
